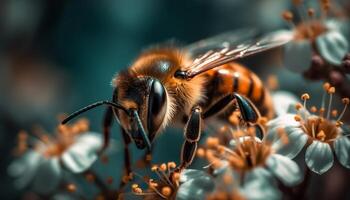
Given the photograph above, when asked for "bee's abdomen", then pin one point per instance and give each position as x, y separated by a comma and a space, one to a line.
233, 77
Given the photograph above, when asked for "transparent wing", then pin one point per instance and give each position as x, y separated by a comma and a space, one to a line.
228, 51
218, 42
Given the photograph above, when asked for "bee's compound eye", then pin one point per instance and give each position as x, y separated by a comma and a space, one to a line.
157, 105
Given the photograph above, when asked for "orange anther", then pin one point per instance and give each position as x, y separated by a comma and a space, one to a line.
166, 191
305, 96
345, 100
287, 15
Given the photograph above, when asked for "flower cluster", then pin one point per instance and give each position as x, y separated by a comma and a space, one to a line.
250, 167
319, 48
72, 149
320, 129
171, 184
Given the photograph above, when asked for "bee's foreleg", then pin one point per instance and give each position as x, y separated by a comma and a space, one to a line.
247, 109
107, 124
192, 133
127, 160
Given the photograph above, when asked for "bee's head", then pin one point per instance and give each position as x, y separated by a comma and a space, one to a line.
140, 105
145, 98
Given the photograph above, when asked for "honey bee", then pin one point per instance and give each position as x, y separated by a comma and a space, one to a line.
166, 85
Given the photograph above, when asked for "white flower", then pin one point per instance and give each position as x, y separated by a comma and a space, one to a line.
194, 184
189, 184
43, 167
253, 164
314, 36
258, 184
319, 133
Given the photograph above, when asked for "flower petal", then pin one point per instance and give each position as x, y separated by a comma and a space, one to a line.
260, 184
342, 151
81, 155
190, 174
284, 102
195, 185
48, 176
24, 169
285, 169
296, 136
297, 55
319, 157
285, 120
241, 139
296, 142
332, 46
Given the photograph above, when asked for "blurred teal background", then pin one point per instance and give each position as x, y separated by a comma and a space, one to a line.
59, 55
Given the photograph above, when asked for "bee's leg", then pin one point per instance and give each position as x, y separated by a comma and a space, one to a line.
107, 124
192, 133
247, 109
127, 160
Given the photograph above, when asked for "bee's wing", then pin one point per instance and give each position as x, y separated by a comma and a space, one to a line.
218, 42
228, 51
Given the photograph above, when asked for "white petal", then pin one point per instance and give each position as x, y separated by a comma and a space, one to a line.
332, 46
48, 176
81, 155
284, 102
195, 185
319, 157
24, 169
342, 151
296, 141
28, 160
335, 24
189, 174
341, 25
254, 191
297, 55
283, 120
241, 139
92, 140
285, 169
258, 173
260, 184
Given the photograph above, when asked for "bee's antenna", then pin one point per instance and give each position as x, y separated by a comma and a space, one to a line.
91, 106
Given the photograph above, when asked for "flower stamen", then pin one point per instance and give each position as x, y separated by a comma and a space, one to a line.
330, 91
137, 190
288, 17
305, 97
313, 121
346, 102
321, 135
334, 113
326, 87
313, 109
71, 187
311, 13
166, 191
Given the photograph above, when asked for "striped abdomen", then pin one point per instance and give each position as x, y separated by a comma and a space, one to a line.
233, 77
